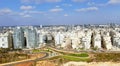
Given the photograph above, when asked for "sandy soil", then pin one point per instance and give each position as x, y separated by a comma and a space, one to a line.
25, 64
45, 63
91, 64
34, 56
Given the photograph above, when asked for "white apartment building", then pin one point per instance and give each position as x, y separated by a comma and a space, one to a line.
75, 43
68, 43
59, 38
75, 40
49, 36
41, 38
86, 40
81, 34
97, 40
116, 40
107, 41
4, 40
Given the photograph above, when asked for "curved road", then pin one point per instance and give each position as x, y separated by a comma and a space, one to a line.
31, 60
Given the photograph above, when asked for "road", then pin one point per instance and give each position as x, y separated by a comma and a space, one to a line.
70, 51
23, 61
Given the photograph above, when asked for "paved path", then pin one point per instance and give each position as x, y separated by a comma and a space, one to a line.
23, 61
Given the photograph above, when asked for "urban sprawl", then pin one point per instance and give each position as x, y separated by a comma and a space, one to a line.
77, 37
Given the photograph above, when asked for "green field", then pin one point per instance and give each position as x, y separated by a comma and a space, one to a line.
79, 55
72, 57
40, 50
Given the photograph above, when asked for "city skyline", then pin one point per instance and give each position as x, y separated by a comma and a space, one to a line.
57, 12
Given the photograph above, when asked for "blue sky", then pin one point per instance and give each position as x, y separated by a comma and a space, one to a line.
55, 12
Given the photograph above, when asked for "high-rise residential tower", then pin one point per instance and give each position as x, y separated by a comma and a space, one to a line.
18, 38
31, 38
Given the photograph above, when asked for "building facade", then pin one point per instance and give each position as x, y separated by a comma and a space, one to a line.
18, 38
4, 40
31, 38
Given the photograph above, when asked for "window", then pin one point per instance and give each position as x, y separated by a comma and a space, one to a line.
3, 44
2, 39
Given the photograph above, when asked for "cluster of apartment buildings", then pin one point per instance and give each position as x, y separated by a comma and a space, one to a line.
67, 37
23, 37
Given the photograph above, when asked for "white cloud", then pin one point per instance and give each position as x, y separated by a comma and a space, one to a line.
39, 1
97, 4
79, 0
57, 6
66, 15
31, 12
87, 9
27, 15
5, 11
26, 7
109, 2
114, 2
35, 12
56, 10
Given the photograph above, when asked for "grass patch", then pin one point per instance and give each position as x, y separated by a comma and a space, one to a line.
79, 55
47, 50
70, 58
36, 50
72, 54
40, 50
